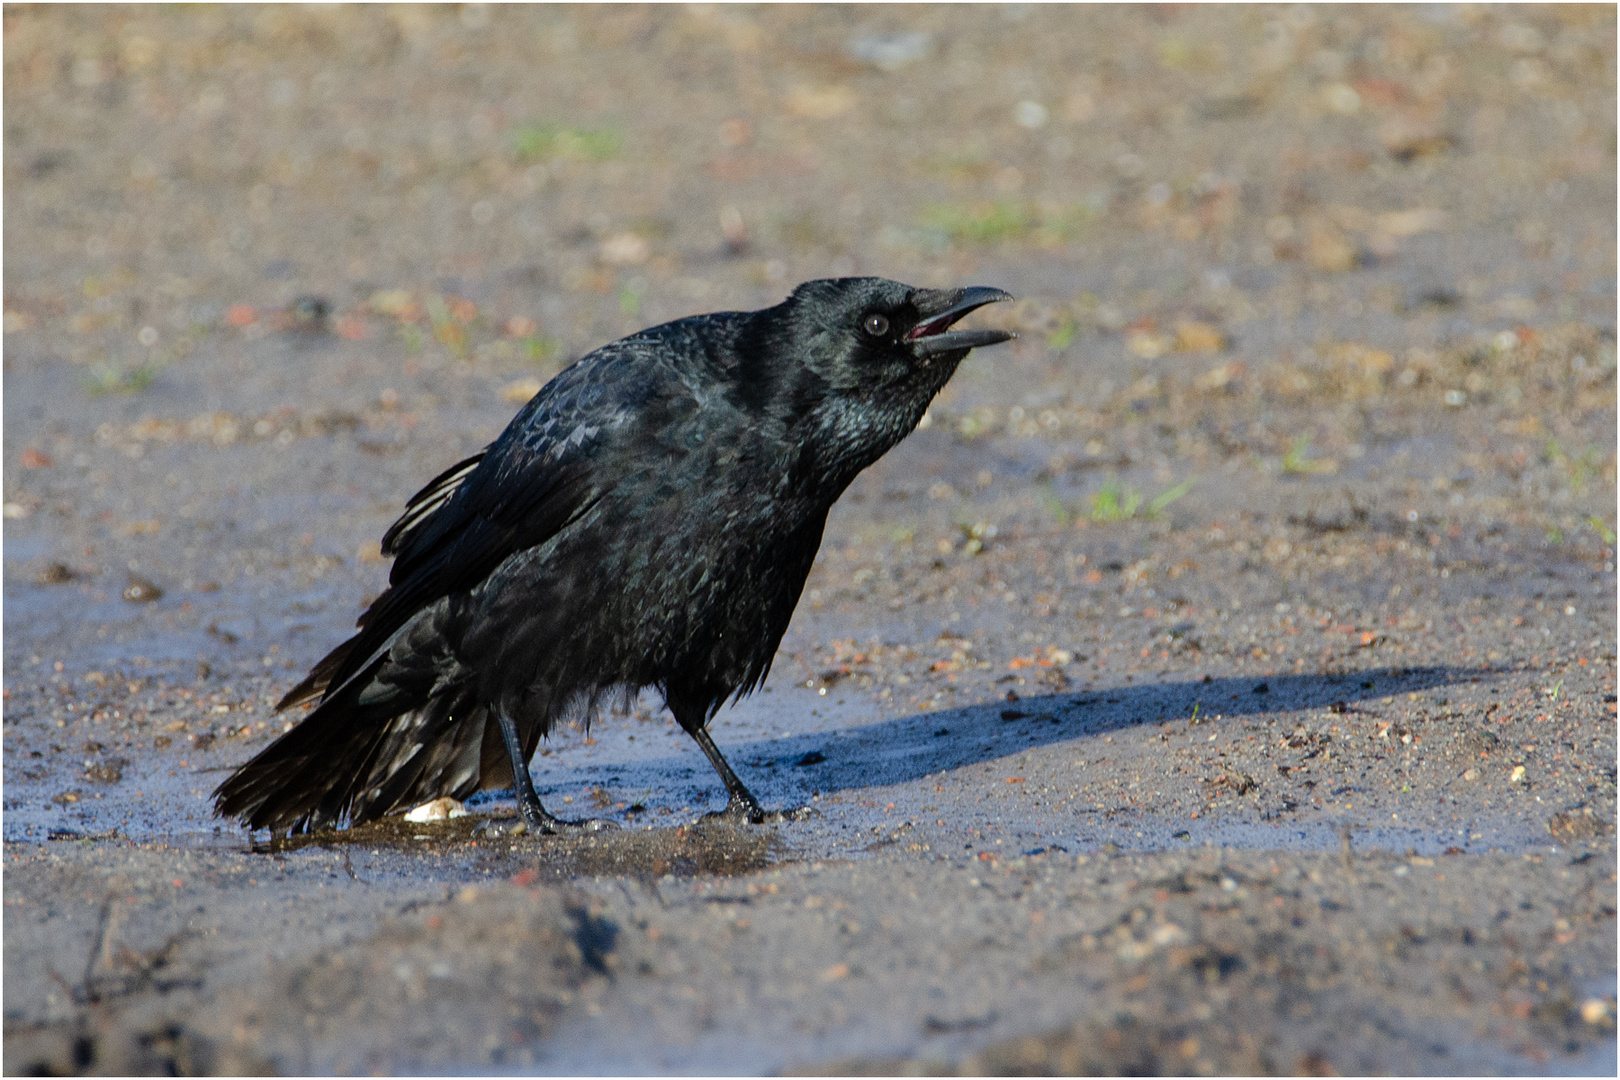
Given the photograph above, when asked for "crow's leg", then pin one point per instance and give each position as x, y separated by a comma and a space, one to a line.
741, 804
535, 816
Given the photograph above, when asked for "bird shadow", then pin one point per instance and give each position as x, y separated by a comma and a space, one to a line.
908, 748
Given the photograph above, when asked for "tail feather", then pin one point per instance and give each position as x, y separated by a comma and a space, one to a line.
319, 678
430, 768
351, 761
293, 763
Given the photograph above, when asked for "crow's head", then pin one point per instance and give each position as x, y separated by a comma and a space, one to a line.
872, 334
852, 364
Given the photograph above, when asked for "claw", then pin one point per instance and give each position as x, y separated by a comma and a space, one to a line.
553, 826
583, 825
740, 811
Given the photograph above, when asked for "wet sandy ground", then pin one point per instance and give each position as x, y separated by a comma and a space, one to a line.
1222, 681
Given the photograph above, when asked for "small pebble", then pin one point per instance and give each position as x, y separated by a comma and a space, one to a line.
55, 574
307, 314
141, 591
1030, 114
890, 52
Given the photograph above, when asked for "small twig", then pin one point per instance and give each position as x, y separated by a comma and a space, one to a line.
73, 993
86, 996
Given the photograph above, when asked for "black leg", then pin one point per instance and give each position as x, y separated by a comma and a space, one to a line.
741, 804
535, 816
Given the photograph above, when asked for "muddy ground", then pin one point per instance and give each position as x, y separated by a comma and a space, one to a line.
1223, 680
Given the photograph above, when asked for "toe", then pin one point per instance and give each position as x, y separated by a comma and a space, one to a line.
741, 813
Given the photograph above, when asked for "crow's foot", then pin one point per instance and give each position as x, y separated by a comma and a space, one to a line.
741, 811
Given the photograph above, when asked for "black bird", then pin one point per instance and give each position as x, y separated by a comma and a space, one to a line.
647, 520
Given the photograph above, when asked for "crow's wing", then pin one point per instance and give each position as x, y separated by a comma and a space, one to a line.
572, 443
425, 503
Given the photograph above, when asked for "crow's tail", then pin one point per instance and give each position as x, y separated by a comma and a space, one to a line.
371, 748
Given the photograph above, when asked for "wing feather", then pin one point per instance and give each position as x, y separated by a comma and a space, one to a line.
427, 502
544, 471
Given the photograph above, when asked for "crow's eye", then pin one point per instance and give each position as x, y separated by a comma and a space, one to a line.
876, 325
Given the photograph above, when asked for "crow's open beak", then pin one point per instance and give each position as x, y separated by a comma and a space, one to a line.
939, 309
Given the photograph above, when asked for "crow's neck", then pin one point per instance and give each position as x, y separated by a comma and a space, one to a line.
841, 437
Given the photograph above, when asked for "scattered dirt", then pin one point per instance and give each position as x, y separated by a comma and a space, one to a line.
1221, 680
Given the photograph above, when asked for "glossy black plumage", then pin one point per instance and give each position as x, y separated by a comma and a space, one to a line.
646, 520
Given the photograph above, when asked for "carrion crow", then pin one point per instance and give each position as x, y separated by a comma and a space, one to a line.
647, 520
